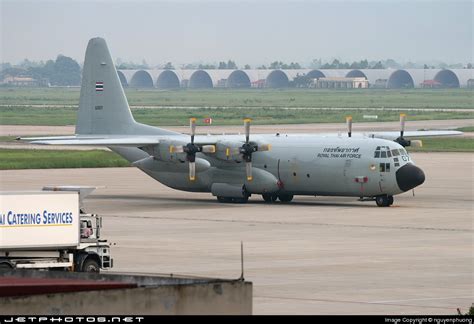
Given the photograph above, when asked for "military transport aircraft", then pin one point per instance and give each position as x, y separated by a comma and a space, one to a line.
372, 166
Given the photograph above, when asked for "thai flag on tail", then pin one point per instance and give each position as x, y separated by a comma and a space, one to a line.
99, 86
208, 120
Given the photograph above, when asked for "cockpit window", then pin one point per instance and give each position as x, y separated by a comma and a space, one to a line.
382, 152
395, 152
384, 167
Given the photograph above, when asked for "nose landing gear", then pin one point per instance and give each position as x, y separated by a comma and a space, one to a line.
384, 201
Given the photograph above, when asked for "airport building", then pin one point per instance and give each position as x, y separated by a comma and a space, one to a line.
340, 83
376, 78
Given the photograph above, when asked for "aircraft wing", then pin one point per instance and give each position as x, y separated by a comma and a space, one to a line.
413, 134
133, 141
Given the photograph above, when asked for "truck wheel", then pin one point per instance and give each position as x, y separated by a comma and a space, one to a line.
90, 265
5, 266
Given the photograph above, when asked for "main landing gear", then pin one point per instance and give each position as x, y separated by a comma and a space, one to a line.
271, 198
239, 200
384, 200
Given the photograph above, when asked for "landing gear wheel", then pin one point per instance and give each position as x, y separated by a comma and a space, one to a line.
285, 198
90, 265
240, 200
383, 201
224, 199
270, 198
243, 200
390, 200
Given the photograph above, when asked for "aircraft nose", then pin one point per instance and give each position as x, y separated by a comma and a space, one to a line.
409, 176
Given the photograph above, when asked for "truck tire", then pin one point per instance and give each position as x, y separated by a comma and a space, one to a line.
90, 265
5, 266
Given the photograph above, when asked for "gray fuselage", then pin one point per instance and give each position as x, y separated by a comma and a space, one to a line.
299, 164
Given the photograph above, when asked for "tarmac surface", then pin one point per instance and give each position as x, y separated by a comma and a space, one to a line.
317, 255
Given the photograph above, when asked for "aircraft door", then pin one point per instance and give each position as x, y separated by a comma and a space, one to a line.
384, 171
381, 180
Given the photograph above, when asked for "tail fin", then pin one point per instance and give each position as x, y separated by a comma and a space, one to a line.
103, 107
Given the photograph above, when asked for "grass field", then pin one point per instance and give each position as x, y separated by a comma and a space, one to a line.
309, 98
466, 129
180, 117
449, 144
52, 159
49, 159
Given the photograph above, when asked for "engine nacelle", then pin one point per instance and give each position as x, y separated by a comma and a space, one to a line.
228, 151
164, 151
228, 190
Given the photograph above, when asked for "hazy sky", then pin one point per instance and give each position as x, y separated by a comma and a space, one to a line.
253, 32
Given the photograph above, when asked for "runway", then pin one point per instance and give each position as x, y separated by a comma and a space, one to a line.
317, 255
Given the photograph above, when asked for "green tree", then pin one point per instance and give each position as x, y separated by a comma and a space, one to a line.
66, 72
189, 66
206, 67
231, 65
315, 64
378, 65
301, 81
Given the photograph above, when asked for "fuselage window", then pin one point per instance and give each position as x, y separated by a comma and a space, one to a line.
384, 167
396, 162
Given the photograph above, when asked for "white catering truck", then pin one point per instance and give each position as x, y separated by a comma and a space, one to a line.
49, 230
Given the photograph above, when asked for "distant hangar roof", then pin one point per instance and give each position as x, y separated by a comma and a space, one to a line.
391, 78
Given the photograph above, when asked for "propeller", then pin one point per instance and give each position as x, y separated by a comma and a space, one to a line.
247, 149
401, 140
191, 149
349, 125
